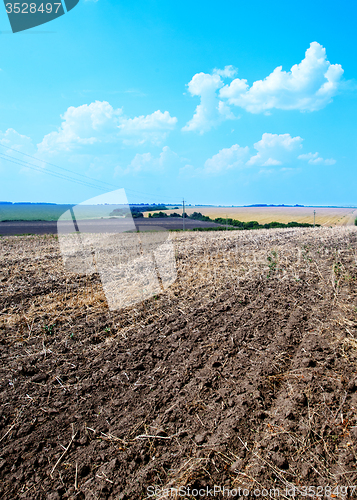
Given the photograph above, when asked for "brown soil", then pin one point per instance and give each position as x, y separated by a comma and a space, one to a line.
243, 374
17, 227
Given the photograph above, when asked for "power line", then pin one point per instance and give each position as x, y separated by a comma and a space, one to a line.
56, 166
27, 164
54, 174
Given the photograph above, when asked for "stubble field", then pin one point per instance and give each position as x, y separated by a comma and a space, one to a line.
242, 374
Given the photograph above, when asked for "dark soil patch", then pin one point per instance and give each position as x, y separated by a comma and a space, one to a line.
252, 386
9, 228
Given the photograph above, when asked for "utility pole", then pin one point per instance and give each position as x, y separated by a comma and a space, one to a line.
226, 223
183, 214
314, 217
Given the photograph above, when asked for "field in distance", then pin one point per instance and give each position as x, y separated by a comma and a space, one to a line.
32, 212
264, 215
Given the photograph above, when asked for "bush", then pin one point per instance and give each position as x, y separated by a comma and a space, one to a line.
157, 215
237, 224
356, 221
199, 216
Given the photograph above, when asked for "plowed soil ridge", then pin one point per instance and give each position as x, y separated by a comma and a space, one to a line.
243, 374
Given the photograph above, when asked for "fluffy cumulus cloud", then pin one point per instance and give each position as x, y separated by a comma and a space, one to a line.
227, 158
211, 111
151, 128
308, 86
272, 153
99, 122
83, 125
315, 159
275, 149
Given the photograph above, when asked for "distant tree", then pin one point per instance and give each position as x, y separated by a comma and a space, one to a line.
196, 216
147, 208
157, 215
199, 216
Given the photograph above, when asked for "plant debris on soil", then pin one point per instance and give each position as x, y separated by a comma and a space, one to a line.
242, 374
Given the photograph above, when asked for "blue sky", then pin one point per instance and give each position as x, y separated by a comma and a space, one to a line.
232, 103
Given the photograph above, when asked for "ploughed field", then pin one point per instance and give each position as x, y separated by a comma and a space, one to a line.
243, 374
13, 228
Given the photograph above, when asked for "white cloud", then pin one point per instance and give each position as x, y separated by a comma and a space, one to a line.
84, 125
228, 72
315, 159
308, 86
146, 162
226, 159
189, 171
274, 149
99, 122
151, 128
211, 111
14, 140
139, 162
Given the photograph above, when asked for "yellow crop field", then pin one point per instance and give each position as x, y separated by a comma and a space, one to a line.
264, 215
